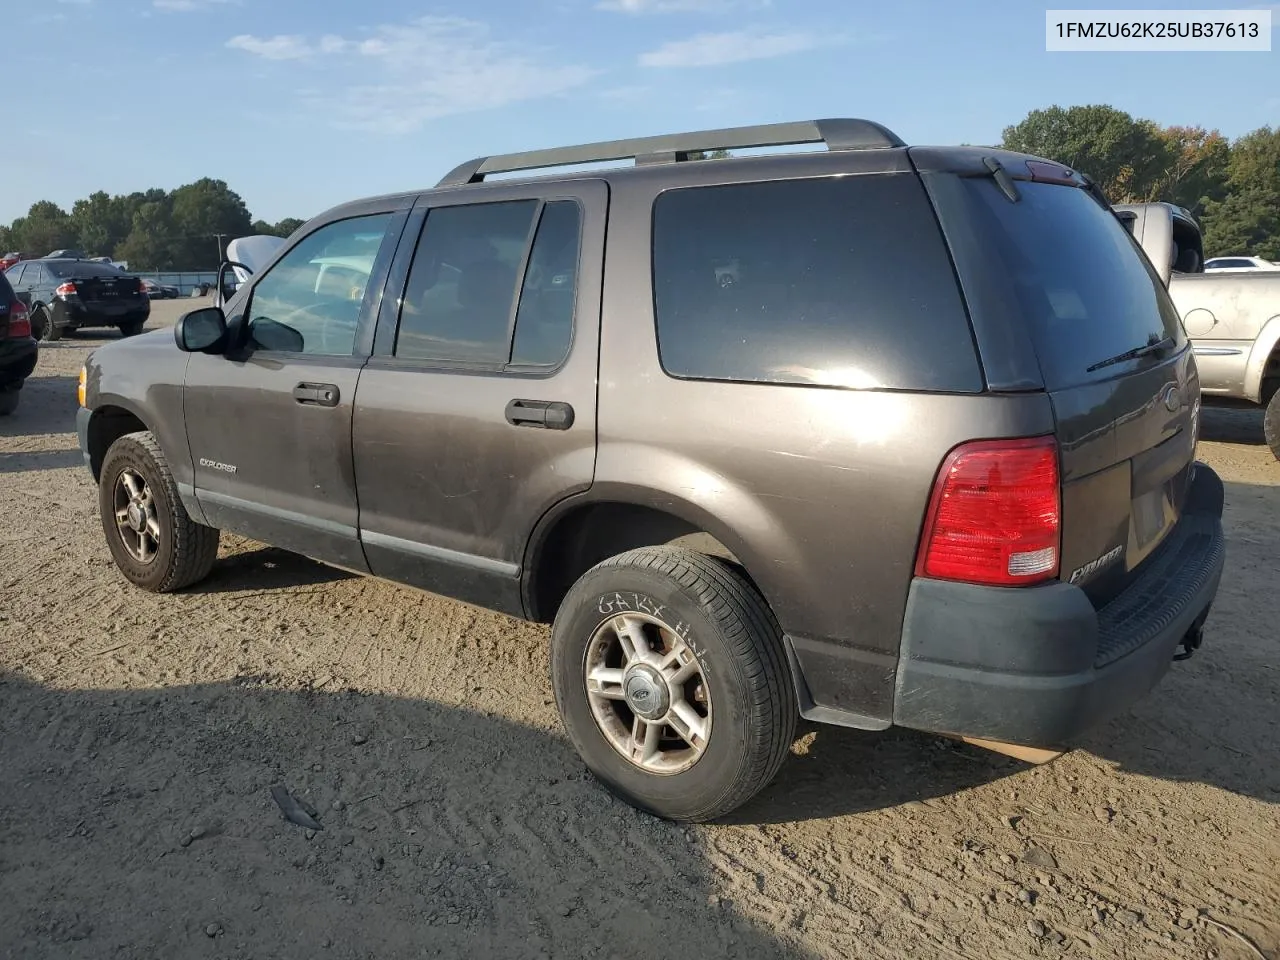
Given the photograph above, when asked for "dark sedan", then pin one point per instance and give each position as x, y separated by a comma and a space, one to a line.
160, 291
18, 351
71, 294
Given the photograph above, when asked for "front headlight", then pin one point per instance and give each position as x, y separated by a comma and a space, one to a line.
84, 376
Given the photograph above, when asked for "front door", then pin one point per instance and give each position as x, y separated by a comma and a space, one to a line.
269, 424
477, 412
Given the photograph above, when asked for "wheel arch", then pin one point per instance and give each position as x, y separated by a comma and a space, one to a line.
1264, 361
580, 532
107, 424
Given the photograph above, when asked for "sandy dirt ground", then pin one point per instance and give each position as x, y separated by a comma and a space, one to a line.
140, 738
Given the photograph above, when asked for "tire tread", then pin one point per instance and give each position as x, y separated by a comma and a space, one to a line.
749, 628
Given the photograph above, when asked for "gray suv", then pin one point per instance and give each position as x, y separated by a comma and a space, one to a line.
872, 435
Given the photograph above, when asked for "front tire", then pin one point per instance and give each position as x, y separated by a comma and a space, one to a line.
152, 538
671, 680
1271, 420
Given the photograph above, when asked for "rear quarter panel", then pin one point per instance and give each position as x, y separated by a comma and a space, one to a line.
820, 493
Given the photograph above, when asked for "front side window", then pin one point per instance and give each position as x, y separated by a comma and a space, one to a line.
14, 275
310, 301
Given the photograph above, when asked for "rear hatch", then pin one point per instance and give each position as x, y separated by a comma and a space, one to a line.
1113, 358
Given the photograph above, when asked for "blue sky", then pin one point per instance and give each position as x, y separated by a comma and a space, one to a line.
301, 104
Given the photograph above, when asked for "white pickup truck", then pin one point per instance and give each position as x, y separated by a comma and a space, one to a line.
1233, 319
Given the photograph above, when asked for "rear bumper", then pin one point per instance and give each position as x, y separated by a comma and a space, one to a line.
73, 314
1039, 665
17, 360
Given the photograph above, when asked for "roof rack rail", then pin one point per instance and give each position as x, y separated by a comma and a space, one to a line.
837, 134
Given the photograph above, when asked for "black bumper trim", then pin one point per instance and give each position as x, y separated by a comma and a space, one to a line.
1038, 665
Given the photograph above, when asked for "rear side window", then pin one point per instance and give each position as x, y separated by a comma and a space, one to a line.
472, 263
1077, 277
840, 281
14, 274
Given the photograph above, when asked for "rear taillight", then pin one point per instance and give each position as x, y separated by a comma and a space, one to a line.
65, 290
19, 320
996, 514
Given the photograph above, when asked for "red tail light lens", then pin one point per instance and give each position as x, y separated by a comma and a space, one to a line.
65, 290
19, 320
996, 514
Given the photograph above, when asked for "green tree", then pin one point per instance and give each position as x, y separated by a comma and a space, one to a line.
1196, 168
206, 214
287, 226
101, 223
6, 239
709, 155
46, 228
1246, 221
152, 243
1126, 157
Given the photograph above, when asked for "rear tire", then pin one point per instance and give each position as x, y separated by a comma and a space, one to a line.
1271, 420
152, 538
45, 329
9, 401
132, 329
701, 623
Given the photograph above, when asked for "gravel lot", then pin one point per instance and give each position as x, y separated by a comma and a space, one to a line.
140, 737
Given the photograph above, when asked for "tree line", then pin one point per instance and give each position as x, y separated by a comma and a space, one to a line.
1232, 187
183, 229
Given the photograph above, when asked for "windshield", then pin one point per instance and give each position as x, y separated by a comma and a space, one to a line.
1078, 278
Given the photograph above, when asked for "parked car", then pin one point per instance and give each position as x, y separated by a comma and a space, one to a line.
1232, 316
18, 351
72, 294
9, 259
930, 462
160, 291
1238, 264
66, 255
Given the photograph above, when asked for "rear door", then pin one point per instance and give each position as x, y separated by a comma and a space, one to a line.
1085, 297
477, 412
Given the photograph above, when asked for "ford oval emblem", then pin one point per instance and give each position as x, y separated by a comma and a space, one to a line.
1172, 398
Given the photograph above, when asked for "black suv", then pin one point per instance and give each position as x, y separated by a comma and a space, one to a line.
877, 435
70, 294
18, 351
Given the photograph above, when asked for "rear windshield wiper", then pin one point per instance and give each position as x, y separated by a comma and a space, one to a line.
1145, 350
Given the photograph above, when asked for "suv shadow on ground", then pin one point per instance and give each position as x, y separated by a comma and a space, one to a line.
142, 822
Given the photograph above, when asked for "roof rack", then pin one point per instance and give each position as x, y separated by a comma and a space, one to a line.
837, 134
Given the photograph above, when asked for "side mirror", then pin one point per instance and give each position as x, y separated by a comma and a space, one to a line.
201, 331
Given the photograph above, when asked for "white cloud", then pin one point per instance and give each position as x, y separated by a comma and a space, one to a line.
185, 6
674, 6
280, 47
737, 46
402, 76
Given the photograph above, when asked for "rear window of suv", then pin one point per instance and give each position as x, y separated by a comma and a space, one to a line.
837, 281
1074, 274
